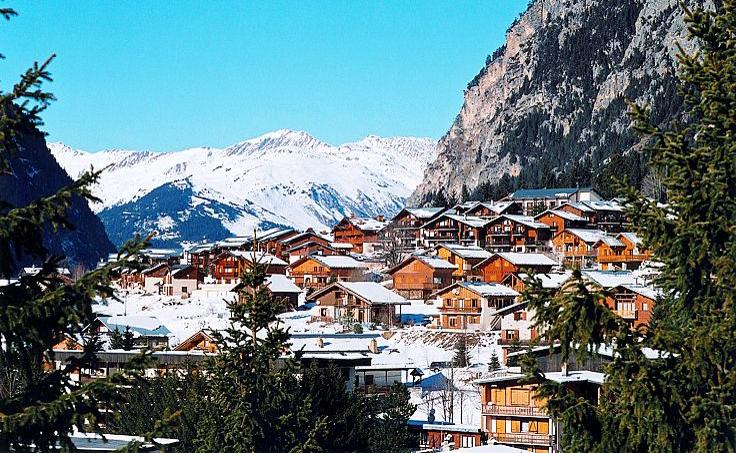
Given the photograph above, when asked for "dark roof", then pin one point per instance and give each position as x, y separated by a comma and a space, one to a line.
543, 193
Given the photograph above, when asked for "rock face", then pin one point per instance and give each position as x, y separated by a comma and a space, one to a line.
553, 97
36, 174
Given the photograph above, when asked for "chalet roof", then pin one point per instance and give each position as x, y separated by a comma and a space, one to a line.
160, 253
341, 245
431, 261
180, 269
467, 251
631, 237
278, 283
611, 241
235, 242
526, 194
154, 268
564, 215
524, 220
199, 248
273, 233
472, 221
526, 259
425, 213
140, 325
611, 279
339, 261
587, 235
363, 223
597, 206
308, 244
260, 257
303, 235
195, 338
550, 280
483, 289
371, 292
649, 292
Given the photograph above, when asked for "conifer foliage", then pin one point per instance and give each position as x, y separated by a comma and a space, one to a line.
682, 398
39, 408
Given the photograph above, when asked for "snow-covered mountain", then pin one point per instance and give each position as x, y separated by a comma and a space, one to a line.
280, 178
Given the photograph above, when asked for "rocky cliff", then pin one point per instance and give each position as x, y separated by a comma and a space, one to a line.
36, 174
549, 107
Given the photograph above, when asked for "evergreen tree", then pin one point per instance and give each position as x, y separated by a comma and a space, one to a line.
462, 355
251, 403
128, 340
40, 408
390, 417
464, 194
494, 364
116, 339
685, 398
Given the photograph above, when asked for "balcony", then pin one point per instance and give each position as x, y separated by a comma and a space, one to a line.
517, 342
626, 313
623, 258
473, 310
514, 411
523, 438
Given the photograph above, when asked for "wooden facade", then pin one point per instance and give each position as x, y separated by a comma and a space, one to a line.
418, 278
405, 227
576, 247
362, 233
512, 233
201, 341
455, 229
468, 305
501, 265
633, 303
464, 258
313, 273
627, 256
359, 303
229, 266
604, 215
559, 220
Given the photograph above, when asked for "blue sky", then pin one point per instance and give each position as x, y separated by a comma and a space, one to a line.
170, 75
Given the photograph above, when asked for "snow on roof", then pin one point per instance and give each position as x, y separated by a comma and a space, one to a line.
260, 257
525, 220
373, 293
179, 269
154, 268
565, 215
644, 290
527, 259
368, 224
273, 233
489, 289
436, 263
278, 283
611, 241
425, 213
611, 279
139, 324
631, 237
339, 262
341, 245
550, 280
576, 376
451, 427
467, 251
561, 192
473, 221
587, 235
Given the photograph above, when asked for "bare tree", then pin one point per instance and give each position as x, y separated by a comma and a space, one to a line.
393, 249
651, 186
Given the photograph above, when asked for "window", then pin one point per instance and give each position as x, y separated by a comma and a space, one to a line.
184, 289
452, 321
369, 379
468, 441
645, 306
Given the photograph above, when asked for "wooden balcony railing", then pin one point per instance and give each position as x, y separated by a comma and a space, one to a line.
622, 258
626, 314
474, 310
517, 411
523, 438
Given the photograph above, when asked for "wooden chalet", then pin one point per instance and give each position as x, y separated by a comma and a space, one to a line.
417, 277
153, 276
634, 303
362, 233
281, 289
552, 280
558, 220
577, 246
405, 227
511, 412
534, 201
625, 253
361, 302
487, 209
179, 280
445, 436
468, 305
316, 272
148, 332
500, 265
229, 265
201, 256
517, 233
464, 257
283, 246
310, 248
268, 241
601, 214
201, 341
455, 229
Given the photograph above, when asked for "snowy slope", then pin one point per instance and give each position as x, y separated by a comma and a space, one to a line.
280, 178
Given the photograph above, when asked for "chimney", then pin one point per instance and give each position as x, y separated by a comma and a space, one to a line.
373, 346
320, 343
